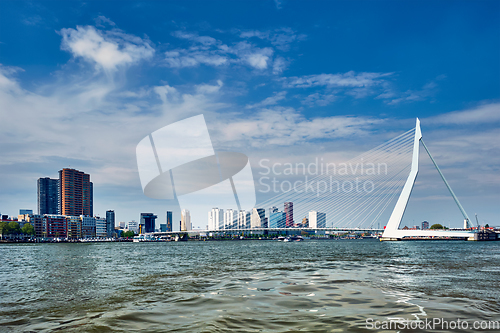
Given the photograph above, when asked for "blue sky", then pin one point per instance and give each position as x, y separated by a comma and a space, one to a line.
81, 83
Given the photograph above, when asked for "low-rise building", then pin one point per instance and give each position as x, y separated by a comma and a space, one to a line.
101, 230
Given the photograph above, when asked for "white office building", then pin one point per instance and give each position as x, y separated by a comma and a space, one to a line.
133, 226
216, 219
185, 220
229, 219
243, 219
100, 227
317, 220
257, 219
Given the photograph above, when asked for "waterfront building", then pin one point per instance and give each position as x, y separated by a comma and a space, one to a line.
110, 223
169, 221
256, 220
277, 220
88, 226
273, 209
425, 225
243, 219
148, 223
74, 227
216, 219
56, 226
133, 226
229, 219
305, 223
101, 230
185, 220
121, 225
75, 193
47, 196
289, 214
38, 223
25, 211
317, 219
163, 228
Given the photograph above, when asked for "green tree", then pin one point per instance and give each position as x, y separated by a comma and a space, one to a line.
436, 226
3, 228
13, 228
28, 229
487, 225
128, 234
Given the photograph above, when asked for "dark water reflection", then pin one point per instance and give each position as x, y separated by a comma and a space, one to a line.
244, 286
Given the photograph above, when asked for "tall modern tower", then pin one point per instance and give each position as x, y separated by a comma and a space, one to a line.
76, 193
289, 214
48, 196
110, 222
169, 221
148, 222
185, 220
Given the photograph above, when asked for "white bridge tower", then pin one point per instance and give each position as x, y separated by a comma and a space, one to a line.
392, 231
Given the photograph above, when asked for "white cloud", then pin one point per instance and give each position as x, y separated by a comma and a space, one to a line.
280, 38
483, 114
319, 99
108, 50
273, 100
209, 89
258, 60
206, 50
279, 65
349, 79
427, 91
100, 21
286, 127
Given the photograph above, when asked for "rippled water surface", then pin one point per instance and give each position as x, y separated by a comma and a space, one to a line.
244, 286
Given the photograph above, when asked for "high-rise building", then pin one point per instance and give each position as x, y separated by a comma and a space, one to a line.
317, 220
185, 220
243, 219
48, 196
216, 219
169, 221
257, 219
110, 223
277, 220
425, 225
148, 222
75, 193
289, 214
229, 219
273, 209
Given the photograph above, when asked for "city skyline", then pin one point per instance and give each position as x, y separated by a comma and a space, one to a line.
81, 86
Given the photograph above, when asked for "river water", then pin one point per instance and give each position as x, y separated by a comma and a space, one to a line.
245, 286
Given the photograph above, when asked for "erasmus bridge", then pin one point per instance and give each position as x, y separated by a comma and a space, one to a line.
361, 195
